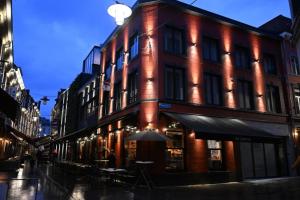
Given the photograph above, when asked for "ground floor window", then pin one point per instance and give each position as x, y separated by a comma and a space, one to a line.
215, 155
130, 152
174, 152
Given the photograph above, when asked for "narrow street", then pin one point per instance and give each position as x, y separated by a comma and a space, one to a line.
47, 182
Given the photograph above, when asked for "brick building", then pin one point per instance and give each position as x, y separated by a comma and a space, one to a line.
213, 85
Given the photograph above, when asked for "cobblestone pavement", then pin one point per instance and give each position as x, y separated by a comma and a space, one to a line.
47, 182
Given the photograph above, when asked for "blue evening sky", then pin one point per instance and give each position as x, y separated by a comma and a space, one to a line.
52, 37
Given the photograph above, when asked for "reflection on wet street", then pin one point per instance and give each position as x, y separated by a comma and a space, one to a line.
48, 182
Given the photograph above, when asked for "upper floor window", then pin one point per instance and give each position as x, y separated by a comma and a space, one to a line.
108, 70
296, 89
174, 83
245, 94
132, 87
212, 89
295, 69
273, 99
242, 58
174, 40
117, 96
133, 47
105, 109
120, 59
210, 49
269, 64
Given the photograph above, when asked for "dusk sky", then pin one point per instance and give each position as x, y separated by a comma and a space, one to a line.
52, 37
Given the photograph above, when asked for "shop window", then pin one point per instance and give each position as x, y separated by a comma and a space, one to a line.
245, 95
134, 47
132, 87
215, 155
273, 99
295, 68
269, 64
174, 40
210, 49
242, 58
175, 149
212, 88
174, 83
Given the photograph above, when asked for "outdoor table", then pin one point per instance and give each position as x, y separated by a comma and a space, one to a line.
113, 172
144, 173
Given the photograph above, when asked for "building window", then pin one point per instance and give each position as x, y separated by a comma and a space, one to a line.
134, 47
295, 66
242, 58
174, 83
273, 99
269, 64
245, 95
214, 155
210, 49
108, 70
174, 41
132, 87
117, 96
297, 98
212, 89
105, 109
120, 59
175, 148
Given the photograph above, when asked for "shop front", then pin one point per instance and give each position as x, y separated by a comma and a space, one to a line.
232, 147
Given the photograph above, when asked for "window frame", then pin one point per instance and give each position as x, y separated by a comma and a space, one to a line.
251, 94
134, 74
267, 69
218, 53
133, 38
295, 67
117, 103
183, 40
246, 51
221, 91
275, 102
120, 59
174, 92
221, 149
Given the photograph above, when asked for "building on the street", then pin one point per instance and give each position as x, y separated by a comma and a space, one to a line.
76, 111
295, 11
19, 113
44, 127
213, 85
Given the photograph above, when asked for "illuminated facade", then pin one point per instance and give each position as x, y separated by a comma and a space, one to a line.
211, 84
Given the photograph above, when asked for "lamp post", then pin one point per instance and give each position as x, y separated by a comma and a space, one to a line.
120, 12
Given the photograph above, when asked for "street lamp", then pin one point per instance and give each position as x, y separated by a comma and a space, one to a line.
120, 12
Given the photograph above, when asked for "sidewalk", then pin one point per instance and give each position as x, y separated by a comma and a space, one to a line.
82, 187
54, 185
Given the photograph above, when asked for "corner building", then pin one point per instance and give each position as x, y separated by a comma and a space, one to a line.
211, 84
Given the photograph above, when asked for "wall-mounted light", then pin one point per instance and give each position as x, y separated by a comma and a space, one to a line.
195, 85
256, 60
228, 90
111, 98
227, 53
126, 53
113, 64
124, 90
149, 80
259, 95
194, 44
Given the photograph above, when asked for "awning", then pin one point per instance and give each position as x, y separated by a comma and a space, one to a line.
223, 127
8, 105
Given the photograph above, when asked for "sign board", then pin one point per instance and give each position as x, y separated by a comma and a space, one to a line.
165, 105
